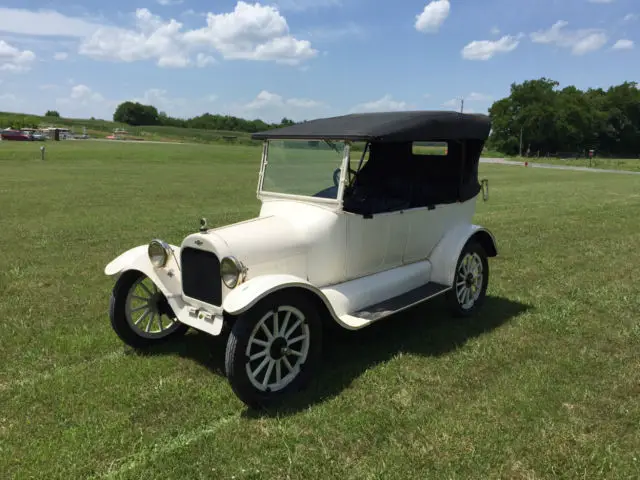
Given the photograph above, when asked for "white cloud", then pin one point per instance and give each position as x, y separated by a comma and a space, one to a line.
433, 16
272, 107
453, 103
44, 22
266, 99
82, 93
203, 60
623, 45
83, 102
495, 31
630, 17
384, 104
579, 42
487, 49
15, 60
590, 43
60, 56
166, 3
43, 45
251, 32
154, 39
303, 103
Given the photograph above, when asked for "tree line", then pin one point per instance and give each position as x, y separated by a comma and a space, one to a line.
540, 118
137, 114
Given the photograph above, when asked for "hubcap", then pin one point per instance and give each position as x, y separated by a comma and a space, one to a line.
277, 349
147, 310
469, 280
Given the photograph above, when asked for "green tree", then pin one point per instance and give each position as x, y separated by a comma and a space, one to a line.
552, 120
52, 113
135, 113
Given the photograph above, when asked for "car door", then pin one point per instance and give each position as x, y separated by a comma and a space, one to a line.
375, 243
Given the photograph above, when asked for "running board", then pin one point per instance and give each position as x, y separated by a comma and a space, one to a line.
401, 302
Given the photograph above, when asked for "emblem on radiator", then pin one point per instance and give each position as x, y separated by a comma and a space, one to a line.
198, 242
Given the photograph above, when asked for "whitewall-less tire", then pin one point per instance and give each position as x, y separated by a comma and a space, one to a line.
140, 314
470, 281
274, 349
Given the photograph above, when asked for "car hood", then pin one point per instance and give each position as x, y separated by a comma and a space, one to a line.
263, 245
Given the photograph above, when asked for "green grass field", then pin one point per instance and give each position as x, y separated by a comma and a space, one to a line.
544, 383
627, 164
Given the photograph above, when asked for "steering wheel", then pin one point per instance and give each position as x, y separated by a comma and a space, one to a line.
336, 176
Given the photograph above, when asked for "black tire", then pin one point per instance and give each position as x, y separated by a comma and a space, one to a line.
122, 325
458, 308
237, 358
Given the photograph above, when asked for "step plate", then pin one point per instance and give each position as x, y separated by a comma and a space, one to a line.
401, 302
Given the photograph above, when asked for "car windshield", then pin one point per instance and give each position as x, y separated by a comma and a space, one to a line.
303, 167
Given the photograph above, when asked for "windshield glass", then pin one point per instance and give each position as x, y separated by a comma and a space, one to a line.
303, 167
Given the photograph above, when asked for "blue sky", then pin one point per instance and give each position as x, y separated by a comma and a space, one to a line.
304, 58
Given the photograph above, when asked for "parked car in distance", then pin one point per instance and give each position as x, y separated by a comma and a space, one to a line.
15, 135
343, 236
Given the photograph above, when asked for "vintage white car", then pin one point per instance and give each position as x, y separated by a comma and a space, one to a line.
361, 217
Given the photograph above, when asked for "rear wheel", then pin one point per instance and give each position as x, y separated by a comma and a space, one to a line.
140, 313
470, 281
274, 349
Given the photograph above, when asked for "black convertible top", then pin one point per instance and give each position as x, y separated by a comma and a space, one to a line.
407, 126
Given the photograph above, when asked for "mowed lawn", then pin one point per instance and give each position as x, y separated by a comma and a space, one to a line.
544, 383
626, 164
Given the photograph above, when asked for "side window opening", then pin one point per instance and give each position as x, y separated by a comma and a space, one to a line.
430, 148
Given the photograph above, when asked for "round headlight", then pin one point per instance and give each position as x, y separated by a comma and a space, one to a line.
158, 253
230, 270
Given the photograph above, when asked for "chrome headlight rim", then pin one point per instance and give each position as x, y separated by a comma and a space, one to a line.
232, 277
158, 251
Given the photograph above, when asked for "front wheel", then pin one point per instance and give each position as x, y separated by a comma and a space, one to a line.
274, 349
470, 281
140, 313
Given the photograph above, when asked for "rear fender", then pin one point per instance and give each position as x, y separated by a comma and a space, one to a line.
445, 256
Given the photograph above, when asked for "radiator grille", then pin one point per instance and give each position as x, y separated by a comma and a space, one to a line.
201, 275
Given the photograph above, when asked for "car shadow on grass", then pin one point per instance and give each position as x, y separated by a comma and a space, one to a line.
427, 330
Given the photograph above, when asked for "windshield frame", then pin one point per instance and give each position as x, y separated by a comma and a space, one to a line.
266, 194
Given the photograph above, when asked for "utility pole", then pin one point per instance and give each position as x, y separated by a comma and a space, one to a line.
462, 105
521, 131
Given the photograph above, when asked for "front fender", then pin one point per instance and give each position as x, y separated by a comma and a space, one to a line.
169, 281
166, 278
445, 256
249, 293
